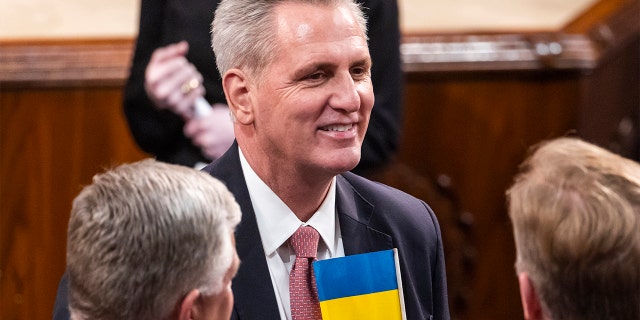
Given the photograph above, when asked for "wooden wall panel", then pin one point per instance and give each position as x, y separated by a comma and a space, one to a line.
472, 131
53, 140
611, 101
475, 103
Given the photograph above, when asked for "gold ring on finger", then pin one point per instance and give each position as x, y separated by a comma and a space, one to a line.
189, 86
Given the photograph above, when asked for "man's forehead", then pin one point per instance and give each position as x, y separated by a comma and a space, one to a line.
309, 35
303, 30
297, 21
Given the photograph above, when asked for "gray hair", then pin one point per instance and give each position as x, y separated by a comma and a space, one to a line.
575, 209
243, 31
143, 235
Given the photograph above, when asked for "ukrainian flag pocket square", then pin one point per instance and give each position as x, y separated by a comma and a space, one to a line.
363, 286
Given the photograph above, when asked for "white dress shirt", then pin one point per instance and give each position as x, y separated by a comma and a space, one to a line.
277, 223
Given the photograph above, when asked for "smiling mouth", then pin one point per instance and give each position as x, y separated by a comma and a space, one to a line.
338, 128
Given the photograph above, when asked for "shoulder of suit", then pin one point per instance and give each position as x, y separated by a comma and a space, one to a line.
392, 207
376, 191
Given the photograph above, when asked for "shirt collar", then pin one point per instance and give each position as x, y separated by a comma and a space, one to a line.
277, 222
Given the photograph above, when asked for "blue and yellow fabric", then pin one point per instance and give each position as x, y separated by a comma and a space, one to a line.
362, 286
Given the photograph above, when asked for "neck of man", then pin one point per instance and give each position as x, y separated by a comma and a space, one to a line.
303, 200
302, 190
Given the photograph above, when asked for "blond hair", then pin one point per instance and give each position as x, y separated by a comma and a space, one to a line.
575, 209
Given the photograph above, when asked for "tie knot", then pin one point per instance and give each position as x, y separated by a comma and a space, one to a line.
305, 242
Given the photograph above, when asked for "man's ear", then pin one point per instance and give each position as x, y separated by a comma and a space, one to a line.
188, 306
236, 88
530, 300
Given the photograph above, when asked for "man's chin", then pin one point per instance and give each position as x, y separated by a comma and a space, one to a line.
344, 164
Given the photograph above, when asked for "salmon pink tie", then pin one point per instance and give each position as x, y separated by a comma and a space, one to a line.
302, 285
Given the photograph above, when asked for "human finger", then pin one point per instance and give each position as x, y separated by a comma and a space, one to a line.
167, 52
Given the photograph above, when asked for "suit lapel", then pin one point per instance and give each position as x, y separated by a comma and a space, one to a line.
252, 288
355, 214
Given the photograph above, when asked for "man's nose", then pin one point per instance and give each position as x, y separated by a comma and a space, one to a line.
345, 95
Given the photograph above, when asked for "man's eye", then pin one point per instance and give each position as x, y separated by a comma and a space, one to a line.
315, 76
359, 72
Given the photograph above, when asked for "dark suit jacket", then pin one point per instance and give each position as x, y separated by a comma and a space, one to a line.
372, 217
163, 22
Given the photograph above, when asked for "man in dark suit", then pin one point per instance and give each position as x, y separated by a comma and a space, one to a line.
297, 78
372, 217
